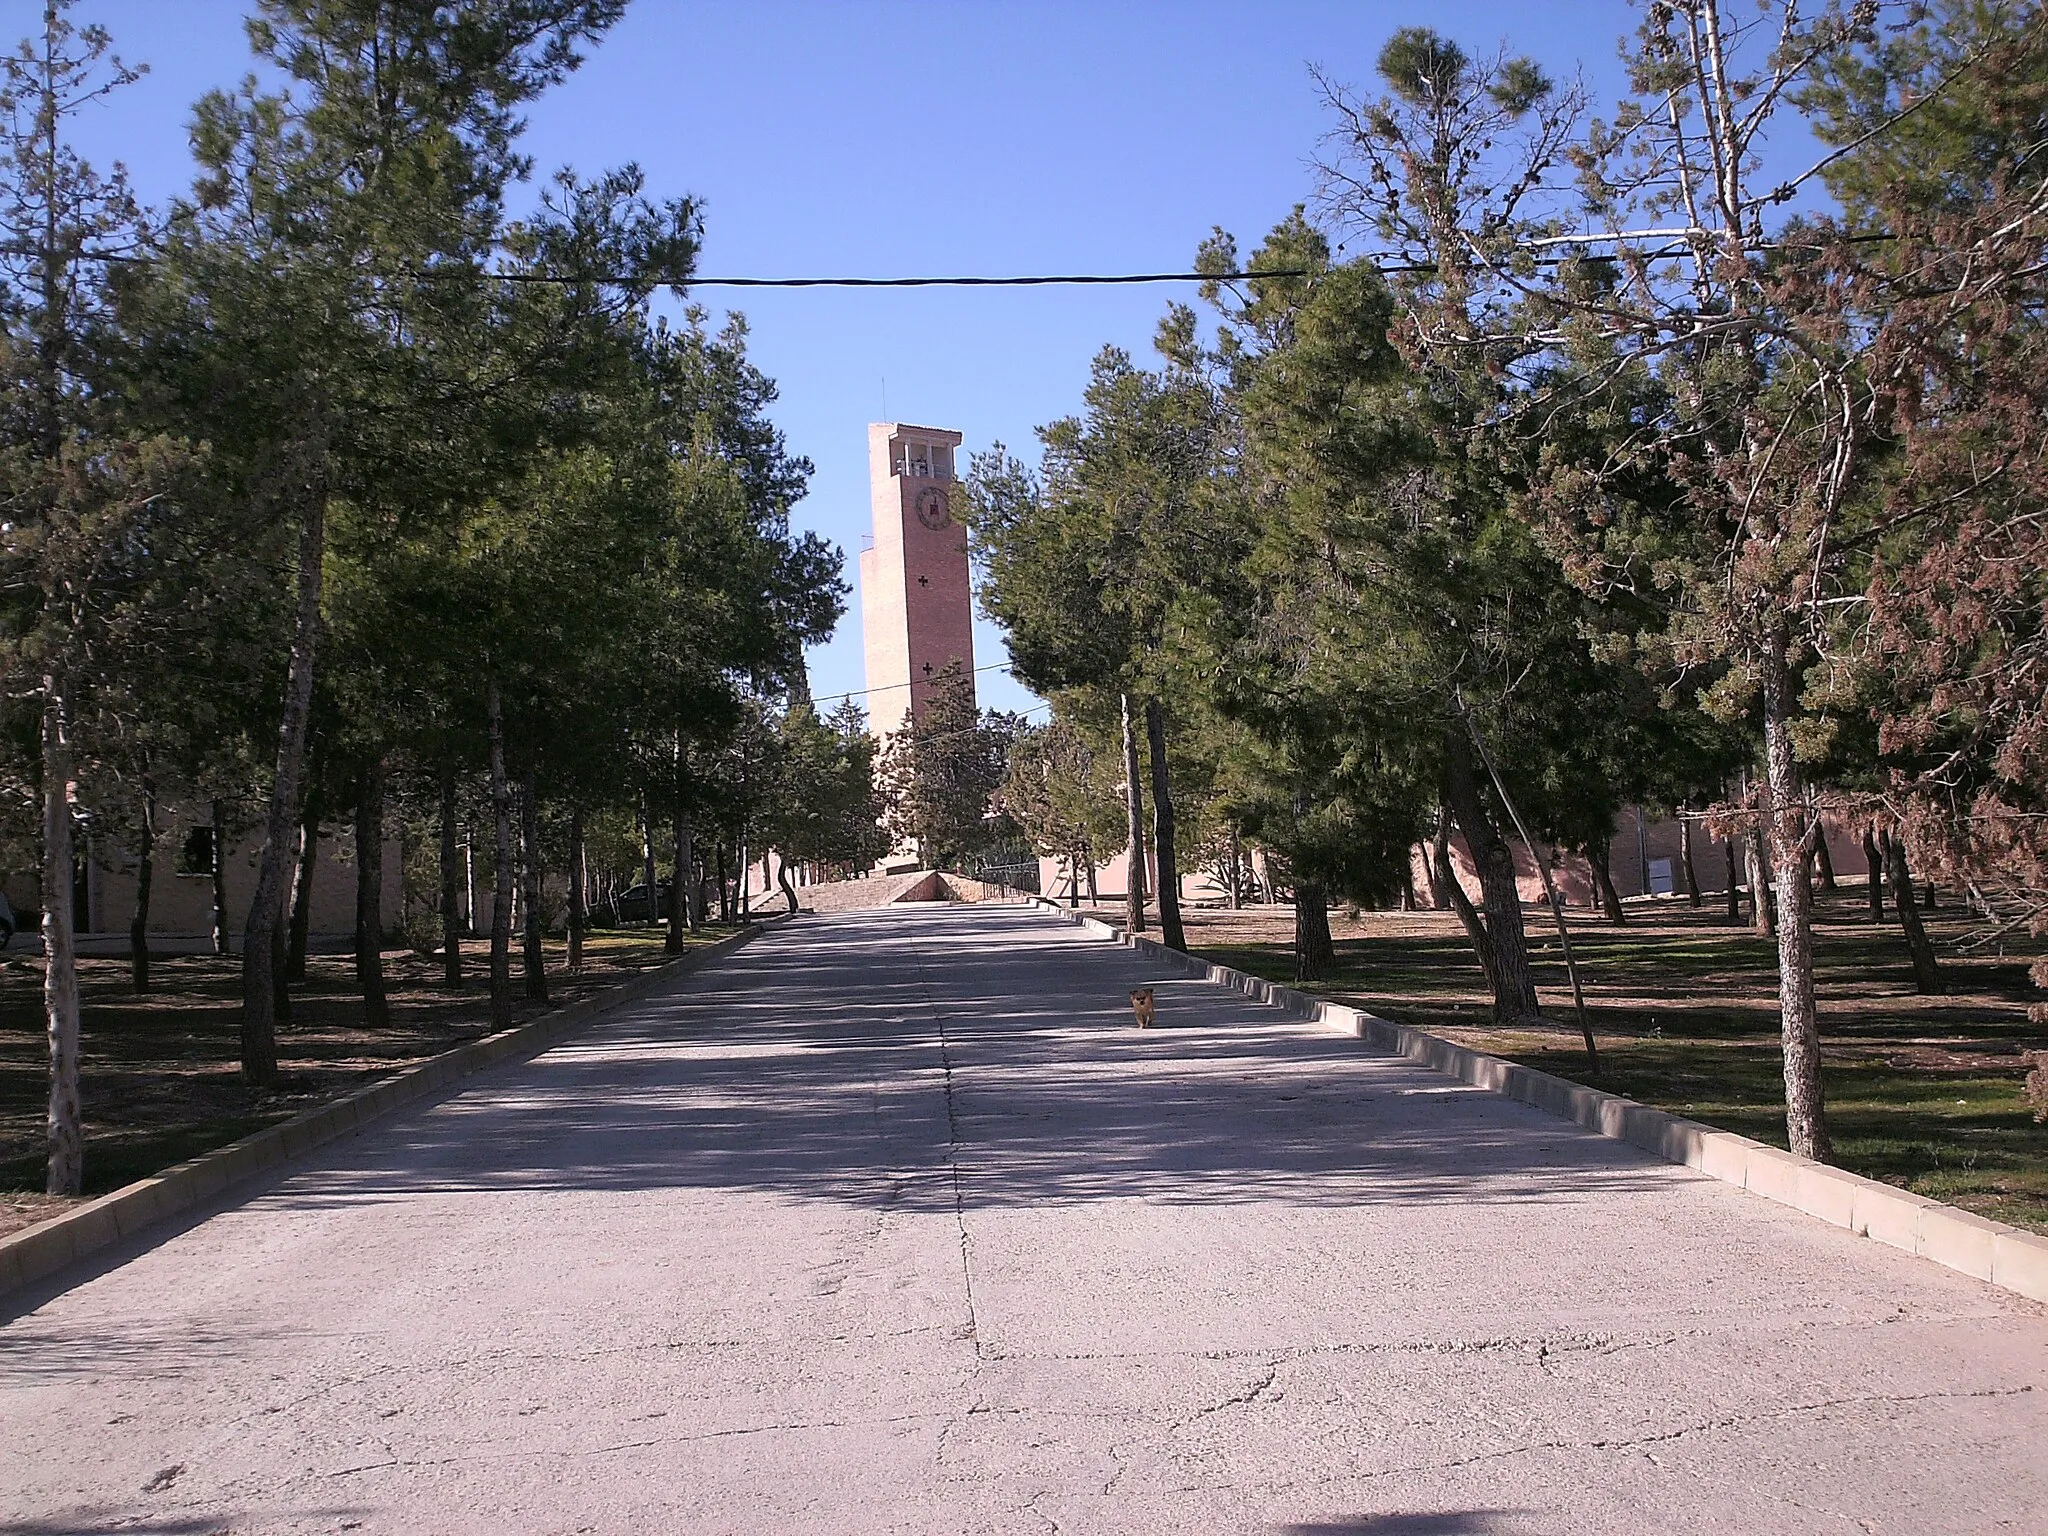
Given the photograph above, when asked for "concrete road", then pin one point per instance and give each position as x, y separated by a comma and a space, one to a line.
891, 1223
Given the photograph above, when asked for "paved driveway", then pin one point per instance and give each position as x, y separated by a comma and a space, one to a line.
890, 1223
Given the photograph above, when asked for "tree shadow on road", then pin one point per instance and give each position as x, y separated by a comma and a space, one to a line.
859, 1060
1473, 1522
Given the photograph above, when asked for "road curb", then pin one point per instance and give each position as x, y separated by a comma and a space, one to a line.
1986, 1250
41, 1250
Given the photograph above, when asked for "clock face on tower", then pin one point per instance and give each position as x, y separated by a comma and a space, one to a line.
931, 507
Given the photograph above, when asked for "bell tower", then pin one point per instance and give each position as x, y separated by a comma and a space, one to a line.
916, 603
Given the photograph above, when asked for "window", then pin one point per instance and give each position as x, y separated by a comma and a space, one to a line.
195, 857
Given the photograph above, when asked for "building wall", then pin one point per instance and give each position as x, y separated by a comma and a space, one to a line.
884, 635
182, 904
1645, 859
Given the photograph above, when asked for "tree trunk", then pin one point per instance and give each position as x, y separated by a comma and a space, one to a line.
1806, 1126
266, 903
788, 890
81, 882
302, 892
1873, 860
745, 860
1134, 828
1928, 979
1170, 928
1603, 881
579, 890
533, 957
145, 874
1825, 861
1514, 988
1762, 913
1453, 890
724, 886
1314, 952
647, 861
1094, 895
1437, 861
1685, 859
370, 896
501, 870
217, 873
679, 891
686, 888
281, 948
65, 1174
1236, 870
1734, 891
451, 898
1551, 897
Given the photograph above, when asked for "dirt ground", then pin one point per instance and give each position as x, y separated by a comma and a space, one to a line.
161, 1081
1924, 1092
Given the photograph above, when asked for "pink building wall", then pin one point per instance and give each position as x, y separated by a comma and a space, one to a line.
916, 595
1654, 854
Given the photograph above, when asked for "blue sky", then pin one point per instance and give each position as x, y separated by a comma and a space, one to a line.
910, 139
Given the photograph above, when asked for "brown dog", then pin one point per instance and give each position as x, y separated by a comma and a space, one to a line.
1141, 1005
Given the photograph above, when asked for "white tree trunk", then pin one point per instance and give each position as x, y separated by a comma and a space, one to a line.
1806, 1126
60, 960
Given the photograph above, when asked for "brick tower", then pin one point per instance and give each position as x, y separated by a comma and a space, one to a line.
916, 605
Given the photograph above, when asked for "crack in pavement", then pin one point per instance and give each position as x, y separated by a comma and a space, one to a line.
1116, 1456
1602, 1345
1247, 1398
1030, 1507
1729, 1421
578, 1453
953, 1145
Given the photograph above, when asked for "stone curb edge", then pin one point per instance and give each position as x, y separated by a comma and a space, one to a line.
1986, 1250
41, 1250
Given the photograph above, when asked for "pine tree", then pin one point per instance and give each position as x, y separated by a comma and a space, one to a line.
73, 486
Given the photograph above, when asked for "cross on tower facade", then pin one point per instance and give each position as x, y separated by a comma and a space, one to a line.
916, 601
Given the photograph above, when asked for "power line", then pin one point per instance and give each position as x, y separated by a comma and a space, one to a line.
1385, 263
857, 693
1094, 279
1069, 280
1382, 263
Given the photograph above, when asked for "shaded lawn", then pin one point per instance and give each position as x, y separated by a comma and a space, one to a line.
161, 1080
1924, 1093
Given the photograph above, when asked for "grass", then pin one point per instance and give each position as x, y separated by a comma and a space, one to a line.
161, 1080
1924, 1093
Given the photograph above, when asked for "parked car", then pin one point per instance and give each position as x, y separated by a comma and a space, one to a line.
633, 904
